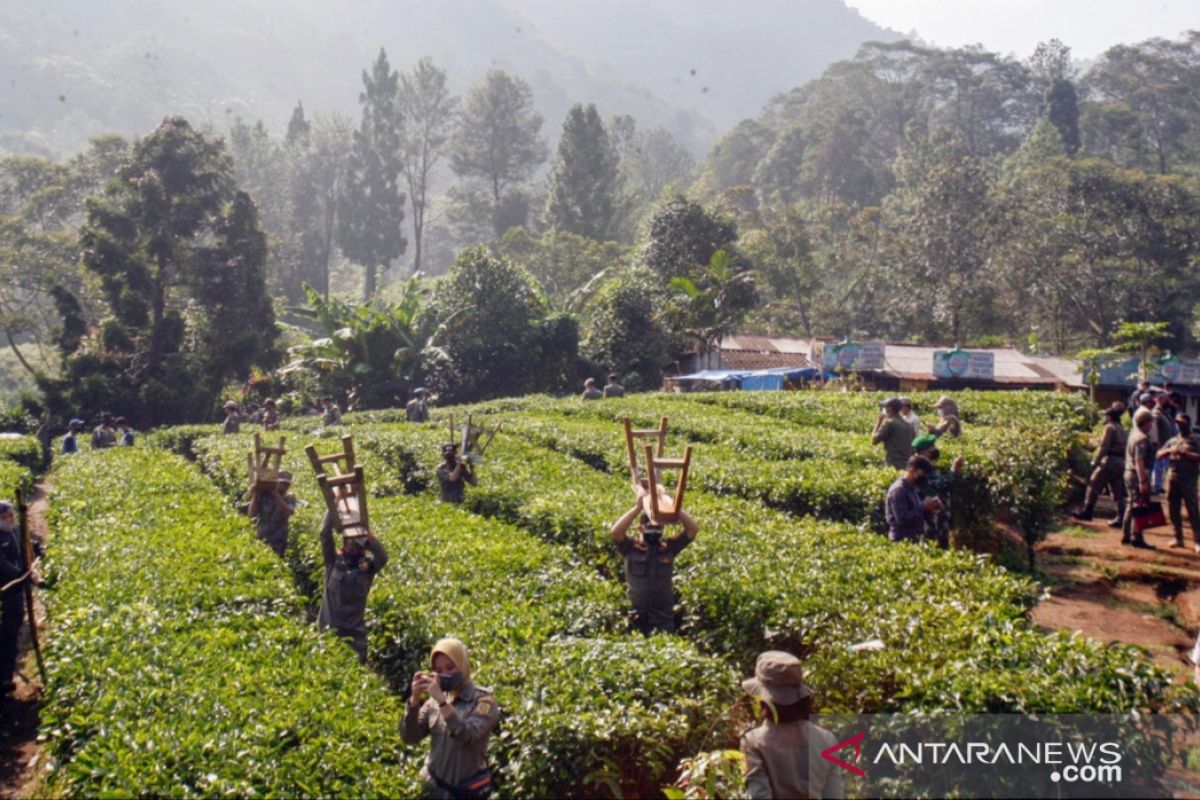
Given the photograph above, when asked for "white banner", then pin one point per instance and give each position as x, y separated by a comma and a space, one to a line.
853, 355
964, 364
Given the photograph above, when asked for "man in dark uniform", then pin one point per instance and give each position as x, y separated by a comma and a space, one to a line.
904, 509
1139, 471
12, 604
1163, 431
417, 409
612, 388
650, 566
272, 510
937, 484
453, 474
894, 434
1108, 468
1183, 452
349, 573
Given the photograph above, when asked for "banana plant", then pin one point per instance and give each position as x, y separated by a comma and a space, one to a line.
372, 353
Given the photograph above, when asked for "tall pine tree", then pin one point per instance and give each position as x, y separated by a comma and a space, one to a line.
371, 211
586, 180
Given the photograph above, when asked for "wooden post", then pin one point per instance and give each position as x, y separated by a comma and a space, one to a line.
27, 553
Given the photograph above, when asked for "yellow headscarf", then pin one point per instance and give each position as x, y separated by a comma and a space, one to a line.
454, 650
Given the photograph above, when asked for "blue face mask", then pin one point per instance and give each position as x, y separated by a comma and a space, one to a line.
450, 682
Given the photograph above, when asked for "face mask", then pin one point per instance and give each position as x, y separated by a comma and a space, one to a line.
8, 525
450, 682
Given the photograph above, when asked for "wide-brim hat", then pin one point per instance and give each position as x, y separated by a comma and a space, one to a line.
229, 404
943, 401
778, 678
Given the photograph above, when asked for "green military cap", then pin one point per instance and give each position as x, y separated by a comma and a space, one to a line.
922, 442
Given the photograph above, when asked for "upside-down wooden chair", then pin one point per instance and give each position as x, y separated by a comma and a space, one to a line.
467, 438
263, 464
659, 504
343, 487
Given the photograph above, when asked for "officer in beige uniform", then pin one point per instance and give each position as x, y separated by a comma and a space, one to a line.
650, 566
783, 753
272, 510
1108, 468
349, 573
459, 716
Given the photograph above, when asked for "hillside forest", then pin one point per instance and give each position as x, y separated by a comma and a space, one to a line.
460, 241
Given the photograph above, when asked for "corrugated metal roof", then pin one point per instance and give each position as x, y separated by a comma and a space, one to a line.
904, 361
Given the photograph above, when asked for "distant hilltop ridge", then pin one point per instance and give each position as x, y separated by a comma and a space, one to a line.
74, 69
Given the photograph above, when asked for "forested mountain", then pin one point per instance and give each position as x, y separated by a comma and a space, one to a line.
74, 69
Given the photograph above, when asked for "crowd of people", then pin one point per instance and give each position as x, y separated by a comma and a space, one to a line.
918, 501
1159, 455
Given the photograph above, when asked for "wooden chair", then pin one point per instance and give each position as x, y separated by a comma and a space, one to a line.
658, 504
467, 438
344, 487
263, 464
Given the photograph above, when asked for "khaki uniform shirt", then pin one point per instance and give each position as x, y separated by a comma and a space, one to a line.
591, 394
459, 748
1184, 470
270, 420
272, 523
331, 416
784, 761
344, 603
1112, 446
614, 390
1138, 449
416, 411
233, 424
896, 436
650, 575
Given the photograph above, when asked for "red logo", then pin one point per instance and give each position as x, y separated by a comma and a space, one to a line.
856, 741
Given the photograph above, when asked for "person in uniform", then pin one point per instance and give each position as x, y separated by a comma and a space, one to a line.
1108, 468
233, 420
459, 716
103, 435
272, 510
349, 573
612, 388
1139, 468
904, 509
69, 443
590, 392
453, 474
894, 434
417, 409
948, 423
330, 413
1183, 453
650, 566
124, 431
270, 415
937, 484
783, 752
1162, 432
12, 603
908, 415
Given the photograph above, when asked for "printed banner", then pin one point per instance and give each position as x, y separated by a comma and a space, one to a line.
1184, 372
964, 364
853, 355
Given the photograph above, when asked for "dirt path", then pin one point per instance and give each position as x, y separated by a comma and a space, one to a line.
1113, 592
20, 751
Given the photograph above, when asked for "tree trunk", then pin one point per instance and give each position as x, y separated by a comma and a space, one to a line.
369, 282
16, 350
418, 231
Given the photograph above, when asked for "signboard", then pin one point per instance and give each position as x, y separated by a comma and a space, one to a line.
853, 356
964, 364
1183, 372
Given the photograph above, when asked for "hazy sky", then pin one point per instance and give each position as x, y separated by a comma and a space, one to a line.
1088, 27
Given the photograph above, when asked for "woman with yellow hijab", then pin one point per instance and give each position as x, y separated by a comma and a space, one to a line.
460, 718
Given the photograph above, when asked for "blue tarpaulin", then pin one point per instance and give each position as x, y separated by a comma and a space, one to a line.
758, 379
